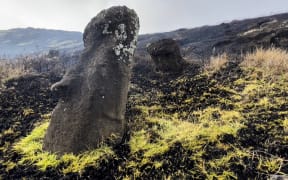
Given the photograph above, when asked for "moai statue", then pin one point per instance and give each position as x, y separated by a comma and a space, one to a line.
166, 56
94, 93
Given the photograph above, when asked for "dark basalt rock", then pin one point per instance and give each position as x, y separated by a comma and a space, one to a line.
93, 95
166, 55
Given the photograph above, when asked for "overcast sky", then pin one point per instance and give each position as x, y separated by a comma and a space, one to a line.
155, 15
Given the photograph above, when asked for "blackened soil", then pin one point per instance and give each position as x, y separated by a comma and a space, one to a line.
22, 103
170, 91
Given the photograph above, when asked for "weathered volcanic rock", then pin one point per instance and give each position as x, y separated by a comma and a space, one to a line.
94, 93
166, 55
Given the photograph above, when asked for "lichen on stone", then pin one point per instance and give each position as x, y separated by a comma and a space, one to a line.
121, 50
117, 49
120, 33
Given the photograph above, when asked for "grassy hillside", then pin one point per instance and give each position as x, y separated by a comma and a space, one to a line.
226, 120
25, 41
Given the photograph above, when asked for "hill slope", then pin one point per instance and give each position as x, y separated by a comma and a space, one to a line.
234, 37
15, 42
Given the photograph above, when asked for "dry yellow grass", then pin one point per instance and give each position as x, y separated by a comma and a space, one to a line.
9, 70
216, 62
272, 61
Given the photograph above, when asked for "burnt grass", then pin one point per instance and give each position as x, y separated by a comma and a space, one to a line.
25, 99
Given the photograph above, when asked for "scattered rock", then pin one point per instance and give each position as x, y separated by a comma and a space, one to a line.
166, 55
94, 93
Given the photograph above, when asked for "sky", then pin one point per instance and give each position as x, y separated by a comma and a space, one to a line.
155, 15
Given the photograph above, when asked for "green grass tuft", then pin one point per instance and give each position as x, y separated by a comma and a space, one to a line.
30, 148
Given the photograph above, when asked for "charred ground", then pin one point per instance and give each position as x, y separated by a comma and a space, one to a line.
224, 121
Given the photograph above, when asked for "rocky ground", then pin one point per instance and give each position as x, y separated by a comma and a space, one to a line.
229, 122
